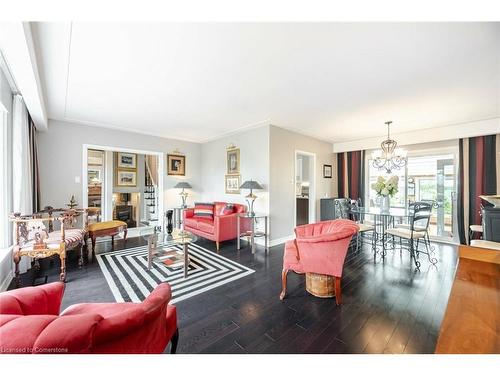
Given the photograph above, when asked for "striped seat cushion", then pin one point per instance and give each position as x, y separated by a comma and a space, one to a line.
72, 237
205, 210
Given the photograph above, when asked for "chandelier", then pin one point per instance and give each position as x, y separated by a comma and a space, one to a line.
390, 157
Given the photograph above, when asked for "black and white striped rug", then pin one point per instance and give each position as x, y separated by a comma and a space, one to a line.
127, 274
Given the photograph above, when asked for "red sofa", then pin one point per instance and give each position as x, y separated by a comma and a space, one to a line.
30, 322
220, 228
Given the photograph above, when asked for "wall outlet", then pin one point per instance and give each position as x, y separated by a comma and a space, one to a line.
77, 179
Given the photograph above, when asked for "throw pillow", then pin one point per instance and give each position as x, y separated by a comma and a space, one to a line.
204, 210
228, 209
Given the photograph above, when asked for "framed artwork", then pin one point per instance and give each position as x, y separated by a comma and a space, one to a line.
327, 171
176, 165
95, 157
94, 175
126, 178
233, 161
232, 184
126, 160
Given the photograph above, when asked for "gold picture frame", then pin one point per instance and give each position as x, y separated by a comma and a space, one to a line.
232, 184
233, 161
126, 160
176, 165
126, 178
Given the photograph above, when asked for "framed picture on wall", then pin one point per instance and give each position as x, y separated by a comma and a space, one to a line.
232, 184
176, 165
126, 160
233, 161
327, 171
126, 178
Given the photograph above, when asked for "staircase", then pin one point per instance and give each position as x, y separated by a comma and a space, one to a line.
150, 192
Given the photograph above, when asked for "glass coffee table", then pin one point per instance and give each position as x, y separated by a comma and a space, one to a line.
163, 249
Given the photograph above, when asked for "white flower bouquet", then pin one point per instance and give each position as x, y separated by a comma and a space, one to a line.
385, 187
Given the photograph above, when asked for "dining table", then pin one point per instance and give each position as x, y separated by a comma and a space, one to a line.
383, 219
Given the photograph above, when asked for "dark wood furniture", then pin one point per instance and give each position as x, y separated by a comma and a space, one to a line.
302, 210
472, 320
106, 228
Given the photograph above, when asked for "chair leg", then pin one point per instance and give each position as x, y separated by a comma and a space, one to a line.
62, 275
16, 270
338, 291
125, 235
217, 245
174, 341
284, 274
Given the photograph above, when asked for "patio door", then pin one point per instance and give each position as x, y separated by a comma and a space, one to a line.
429, 175
432, 177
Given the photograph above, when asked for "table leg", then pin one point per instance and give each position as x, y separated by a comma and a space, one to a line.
252, 238
186, 260
238, 232
265, 234
150, 253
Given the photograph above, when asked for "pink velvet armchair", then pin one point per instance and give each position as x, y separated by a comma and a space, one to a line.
319, 248
30, 322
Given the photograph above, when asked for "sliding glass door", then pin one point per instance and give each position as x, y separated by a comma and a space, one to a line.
428, 176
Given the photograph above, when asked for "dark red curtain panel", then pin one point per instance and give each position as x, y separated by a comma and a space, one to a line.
351, 182
341, 174
477, 176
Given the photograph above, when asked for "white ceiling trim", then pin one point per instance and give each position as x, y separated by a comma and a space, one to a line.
120, 128
17, 46
465, 130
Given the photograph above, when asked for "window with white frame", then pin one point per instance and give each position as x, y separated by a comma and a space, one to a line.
4, 190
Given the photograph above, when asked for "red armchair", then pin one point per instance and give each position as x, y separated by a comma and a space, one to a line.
30, 323
319, 248
220, 228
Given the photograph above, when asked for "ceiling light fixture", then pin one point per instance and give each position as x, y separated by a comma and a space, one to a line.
390, 157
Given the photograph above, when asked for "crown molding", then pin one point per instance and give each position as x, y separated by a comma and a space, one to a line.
443, 133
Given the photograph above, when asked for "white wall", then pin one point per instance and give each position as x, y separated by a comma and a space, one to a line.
254, 164
283, 144
60, 151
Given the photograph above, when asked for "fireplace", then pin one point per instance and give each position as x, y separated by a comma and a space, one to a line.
125, 213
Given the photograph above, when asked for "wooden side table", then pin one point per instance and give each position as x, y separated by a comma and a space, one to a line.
252, 233
106, 228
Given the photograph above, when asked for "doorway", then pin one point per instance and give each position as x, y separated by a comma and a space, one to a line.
429, 175
124, 184
305, 180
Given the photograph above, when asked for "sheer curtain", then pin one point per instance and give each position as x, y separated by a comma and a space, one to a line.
21, 164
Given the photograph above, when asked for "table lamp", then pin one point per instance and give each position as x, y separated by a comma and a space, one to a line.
183, 194
251, 184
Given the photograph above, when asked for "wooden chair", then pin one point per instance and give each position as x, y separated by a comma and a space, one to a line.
36, 236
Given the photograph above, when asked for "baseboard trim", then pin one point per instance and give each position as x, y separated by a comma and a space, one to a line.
6, 282
282, 240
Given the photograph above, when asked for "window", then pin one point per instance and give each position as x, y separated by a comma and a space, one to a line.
4, 188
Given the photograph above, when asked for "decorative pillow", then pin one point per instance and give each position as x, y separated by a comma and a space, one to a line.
228, 209
205, 210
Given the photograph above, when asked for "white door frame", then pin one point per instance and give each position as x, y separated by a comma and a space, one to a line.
312, 188
159, 154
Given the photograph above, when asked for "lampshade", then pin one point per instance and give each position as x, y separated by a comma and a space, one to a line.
251, 184
183, 185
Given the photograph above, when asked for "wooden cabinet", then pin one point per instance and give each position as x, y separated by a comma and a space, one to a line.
472, 320
302, 210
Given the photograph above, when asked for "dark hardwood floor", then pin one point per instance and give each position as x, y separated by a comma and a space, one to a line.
387, 306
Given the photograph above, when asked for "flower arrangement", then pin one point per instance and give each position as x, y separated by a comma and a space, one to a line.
385, 187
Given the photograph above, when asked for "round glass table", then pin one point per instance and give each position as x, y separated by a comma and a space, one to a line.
171, 250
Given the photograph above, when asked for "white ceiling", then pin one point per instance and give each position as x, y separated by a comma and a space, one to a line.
335, 81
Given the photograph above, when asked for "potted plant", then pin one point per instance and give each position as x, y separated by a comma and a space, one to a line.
386, 189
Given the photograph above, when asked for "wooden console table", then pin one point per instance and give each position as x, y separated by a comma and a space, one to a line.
472, 320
